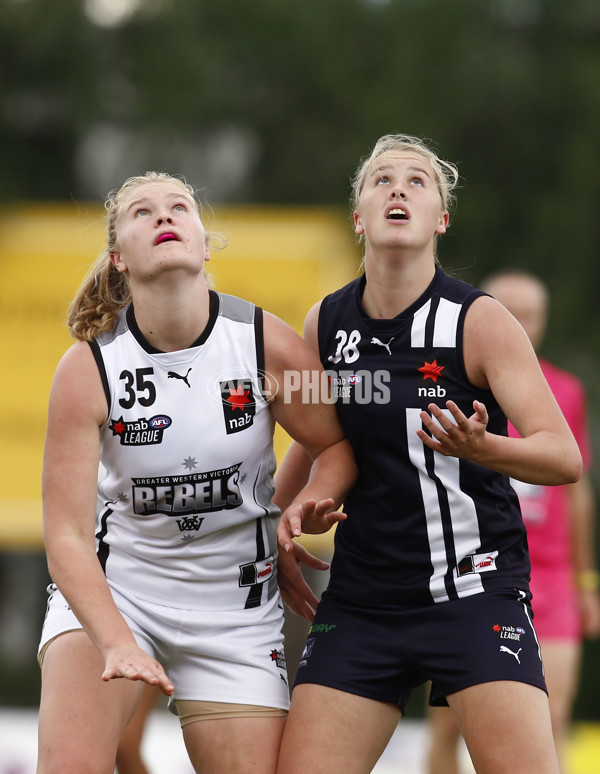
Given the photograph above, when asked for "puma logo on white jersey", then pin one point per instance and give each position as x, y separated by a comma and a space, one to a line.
504, 649
175, 375
383, 344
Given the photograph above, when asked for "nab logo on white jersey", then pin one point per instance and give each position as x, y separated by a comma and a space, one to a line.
238, 404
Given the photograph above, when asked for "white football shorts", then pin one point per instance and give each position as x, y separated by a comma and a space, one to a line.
233, 656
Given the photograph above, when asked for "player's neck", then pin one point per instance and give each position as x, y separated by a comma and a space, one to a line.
391, 289
173, 321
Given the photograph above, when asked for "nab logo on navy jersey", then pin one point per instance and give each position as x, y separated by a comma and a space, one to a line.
238, 403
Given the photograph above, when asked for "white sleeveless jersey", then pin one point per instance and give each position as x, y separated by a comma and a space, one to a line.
184, 513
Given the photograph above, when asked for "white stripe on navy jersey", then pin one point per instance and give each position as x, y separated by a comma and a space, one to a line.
446, 323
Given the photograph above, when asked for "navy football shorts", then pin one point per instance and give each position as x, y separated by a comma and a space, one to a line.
383, 653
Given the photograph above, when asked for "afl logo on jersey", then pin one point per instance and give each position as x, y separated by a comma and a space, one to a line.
160, 422
239, 407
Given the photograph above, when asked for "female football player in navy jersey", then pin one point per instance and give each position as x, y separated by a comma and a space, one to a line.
429, 578
159, 524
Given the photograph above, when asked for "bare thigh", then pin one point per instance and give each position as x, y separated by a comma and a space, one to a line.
506, 726
129, 752
444, 738
329, 730
81, 717
234, 745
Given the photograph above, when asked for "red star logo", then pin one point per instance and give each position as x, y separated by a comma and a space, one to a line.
431, 370
118, 427
238, 398
274, 655
496, 628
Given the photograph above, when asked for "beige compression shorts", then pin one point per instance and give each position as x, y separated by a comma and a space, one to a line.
191, 711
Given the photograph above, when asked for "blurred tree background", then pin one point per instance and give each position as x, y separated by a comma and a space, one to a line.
262, 101
272, 102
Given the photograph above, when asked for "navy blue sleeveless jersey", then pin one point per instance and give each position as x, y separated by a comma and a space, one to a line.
421, 527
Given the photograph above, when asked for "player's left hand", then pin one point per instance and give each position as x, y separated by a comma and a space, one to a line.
295, 591
312, 517
462, 438
129, 661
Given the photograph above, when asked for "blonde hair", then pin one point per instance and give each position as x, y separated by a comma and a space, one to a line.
104, 290
445, 173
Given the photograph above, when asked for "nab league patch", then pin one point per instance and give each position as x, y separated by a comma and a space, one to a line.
509, 632
239, 408
278, 657
142, 432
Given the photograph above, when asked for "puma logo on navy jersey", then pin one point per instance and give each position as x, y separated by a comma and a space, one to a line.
375, 340
504, 649
175, 375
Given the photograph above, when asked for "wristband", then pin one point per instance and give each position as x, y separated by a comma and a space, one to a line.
588, 580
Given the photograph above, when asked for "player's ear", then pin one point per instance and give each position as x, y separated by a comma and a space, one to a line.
358, 226
117, 262
443, 223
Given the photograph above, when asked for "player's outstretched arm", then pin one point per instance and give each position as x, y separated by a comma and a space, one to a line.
77, 409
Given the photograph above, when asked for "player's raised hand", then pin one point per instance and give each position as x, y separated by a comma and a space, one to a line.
462, 438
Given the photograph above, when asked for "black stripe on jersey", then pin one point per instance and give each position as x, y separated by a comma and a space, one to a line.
446, 517
95, 347
103, 548
255, 592
260, 347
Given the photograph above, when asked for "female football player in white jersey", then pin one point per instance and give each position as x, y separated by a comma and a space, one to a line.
159, 526
430, 572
